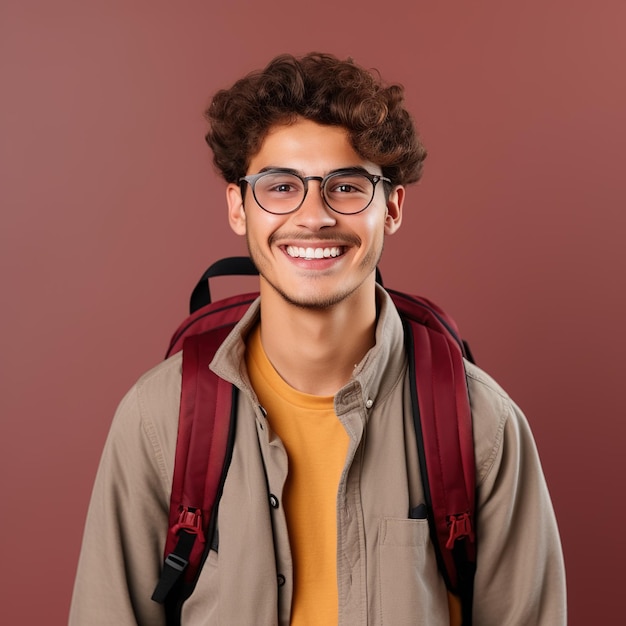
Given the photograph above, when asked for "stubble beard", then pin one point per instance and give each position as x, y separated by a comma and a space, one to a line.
317, 303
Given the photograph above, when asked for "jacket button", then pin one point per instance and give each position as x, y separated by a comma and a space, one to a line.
281, 580
273, 501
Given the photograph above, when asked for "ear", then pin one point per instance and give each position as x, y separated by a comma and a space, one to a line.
393, 218
236, 211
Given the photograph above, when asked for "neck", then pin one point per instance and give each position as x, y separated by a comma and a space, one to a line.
315, 350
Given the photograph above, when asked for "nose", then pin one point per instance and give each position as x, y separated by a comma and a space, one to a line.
314, 213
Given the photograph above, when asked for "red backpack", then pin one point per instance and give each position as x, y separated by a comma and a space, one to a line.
207, 422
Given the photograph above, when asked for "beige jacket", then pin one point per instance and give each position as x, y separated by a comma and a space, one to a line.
386, 566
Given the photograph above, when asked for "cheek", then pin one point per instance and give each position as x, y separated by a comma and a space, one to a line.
264, 228
372, 225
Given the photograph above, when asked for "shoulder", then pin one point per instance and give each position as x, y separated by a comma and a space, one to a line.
485, 393
155, 394
158, 386
147, 416
494, 415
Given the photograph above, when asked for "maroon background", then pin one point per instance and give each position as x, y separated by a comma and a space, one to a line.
110, 210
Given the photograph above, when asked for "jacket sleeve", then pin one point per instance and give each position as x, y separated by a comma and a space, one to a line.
520, 576
126, 525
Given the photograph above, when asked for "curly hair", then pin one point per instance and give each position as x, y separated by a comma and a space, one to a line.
326, 90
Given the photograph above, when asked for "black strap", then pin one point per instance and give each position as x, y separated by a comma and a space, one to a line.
231, 266
466, 571
175, 564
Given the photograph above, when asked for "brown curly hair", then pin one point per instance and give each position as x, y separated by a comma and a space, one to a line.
324, 89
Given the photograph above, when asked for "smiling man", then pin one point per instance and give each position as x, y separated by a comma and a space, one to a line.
314, 525
316, 240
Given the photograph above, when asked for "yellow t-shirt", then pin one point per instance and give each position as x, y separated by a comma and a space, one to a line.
316, 445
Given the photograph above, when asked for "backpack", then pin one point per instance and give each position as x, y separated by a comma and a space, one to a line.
207, 422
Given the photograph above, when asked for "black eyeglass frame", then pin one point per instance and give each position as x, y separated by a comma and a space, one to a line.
252, 179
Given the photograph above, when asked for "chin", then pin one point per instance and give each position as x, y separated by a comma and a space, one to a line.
313, 301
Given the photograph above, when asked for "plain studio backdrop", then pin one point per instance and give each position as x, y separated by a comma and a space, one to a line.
110, 211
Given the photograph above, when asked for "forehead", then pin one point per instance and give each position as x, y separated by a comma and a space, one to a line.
309, 147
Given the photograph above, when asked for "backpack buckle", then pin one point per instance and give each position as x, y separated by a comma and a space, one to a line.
176, 562
190, 520
460, 527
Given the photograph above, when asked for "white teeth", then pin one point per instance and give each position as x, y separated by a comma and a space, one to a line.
314, 253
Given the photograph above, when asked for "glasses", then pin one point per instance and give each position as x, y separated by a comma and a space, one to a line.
280, 192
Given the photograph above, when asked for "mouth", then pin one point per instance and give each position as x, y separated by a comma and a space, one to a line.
309, 253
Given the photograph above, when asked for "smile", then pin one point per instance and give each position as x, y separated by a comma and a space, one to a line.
314, 253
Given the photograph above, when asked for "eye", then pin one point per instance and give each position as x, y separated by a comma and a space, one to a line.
350, 184
279, 184
283, 187
344, 188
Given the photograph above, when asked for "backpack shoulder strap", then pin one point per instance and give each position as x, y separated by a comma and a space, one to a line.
206, 430
443, 428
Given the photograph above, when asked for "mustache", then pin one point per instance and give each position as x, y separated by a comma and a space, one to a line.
334, 237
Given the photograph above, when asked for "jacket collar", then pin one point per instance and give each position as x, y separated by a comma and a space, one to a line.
372, 380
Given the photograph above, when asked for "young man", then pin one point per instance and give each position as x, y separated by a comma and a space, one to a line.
314, 521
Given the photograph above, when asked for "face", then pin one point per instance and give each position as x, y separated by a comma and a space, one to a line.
340, 251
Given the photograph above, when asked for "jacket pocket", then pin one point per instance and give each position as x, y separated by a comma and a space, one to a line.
411, 589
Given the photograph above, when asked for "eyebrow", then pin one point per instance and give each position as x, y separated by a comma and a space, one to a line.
353, 169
